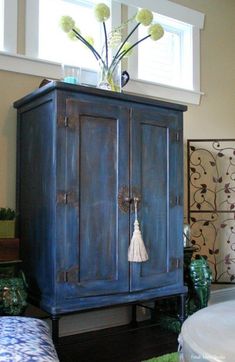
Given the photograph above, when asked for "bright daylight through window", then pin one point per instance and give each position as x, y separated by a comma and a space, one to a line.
51, 37
167, 69
169, 61
1, 24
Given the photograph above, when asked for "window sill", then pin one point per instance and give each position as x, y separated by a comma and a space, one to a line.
46, 69
164, 92
39, 67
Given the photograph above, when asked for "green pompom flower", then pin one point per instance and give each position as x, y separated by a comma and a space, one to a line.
117, 38
72, 35
90, 40
156, 31
66, 23
126, 48
102, 12
144, 17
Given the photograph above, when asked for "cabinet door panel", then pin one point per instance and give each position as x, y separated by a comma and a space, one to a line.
97, 167
98, 189
156, 160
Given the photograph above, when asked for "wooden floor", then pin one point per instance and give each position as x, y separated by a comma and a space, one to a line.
120, 344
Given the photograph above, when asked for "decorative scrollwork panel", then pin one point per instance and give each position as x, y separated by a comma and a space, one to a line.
214, 236
211, 204
211, 175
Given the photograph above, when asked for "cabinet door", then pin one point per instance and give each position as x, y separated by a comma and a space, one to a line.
97, 165
156, 171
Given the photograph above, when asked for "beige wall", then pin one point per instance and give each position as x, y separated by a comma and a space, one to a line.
12, 87
214, 118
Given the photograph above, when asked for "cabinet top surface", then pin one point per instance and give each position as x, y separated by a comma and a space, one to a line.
55, 85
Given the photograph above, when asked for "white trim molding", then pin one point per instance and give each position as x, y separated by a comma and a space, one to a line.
31, 28
51, 70
41, 68
10, 25
170, 9
164, 92
32, 65
191, 93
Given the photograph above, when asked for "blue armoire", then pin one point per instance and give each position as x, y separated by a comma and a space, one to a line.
83, 155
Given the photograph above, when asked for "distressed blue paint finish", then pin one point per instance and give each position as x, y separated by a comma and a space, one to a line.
77, 147
154, 190
98, 160
36, 206
98, 146
154, 173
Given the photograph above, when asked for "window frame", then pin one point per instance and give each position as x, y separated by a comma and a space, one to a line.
10, 13
153, 89
32, 25
1, 24
184, 57
11, 61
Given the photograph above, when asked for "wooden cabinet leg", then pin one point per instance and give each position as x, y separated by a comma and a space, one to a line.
182, 315
133, 315
153, 312
55, 328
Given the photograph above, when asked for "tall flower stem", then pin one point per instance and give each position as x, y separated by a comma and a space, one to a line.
106, 44
120, 47
123, 53
129, 35
93, 50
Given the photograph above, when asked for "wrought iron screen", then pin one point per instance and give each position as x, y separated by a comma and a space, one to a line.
211, 204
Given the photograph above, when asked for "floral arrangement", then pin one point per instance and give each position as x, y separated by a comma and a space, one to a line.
114, 40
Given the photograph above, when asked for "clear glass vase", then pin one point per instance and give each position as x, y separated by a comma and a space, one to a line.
109, 78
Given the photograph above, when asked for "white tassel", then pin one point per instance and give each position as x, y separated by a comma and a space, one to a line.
137, 251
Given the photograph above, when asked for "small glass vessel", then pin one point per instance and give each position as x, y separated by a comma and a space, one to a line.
110, 77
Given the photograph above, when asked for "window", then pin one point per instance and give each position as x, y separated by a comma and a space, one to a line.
167, 69
8, 25
169, 60
50, 40
1, 24
46, 42
170, 67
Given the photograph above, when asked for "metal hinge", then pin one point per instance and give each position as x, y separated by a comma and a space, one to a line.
177, 136
68, 276
62, 197
67, 198
176, 200
67, 121
176, 263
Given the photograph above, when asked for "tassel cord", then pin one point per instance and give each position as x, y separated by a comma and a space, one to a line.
135, 205
137, 251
